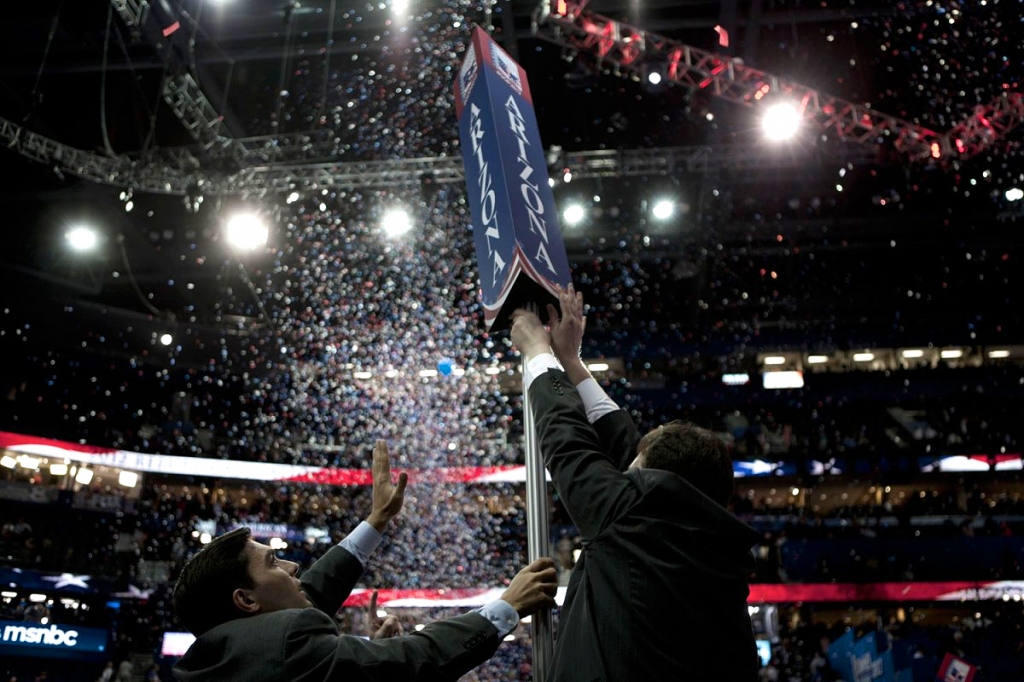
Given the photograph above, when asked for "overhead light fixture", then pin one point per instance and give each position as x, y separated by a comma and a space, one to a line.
663, 209
1001, 353
598, 367
573, 214
81, 238
84, 476
913, 353
396, 222
816, 359
774, 360
128, 479
58, 469
780, 121
247, 231
951, 353
863, 357
8, 462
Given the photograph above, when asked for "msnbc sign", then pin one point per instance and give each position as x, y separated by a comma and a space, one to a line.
30, 639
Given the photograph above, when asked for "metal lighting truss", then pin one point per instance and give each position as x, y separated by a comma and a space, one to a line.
626, 48
176, 171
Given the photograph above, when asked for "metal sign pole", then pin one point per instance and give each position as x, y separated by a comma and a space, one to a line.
537, 533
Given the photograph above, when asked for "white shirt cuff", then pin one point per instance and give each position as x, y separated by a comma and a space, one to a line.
502, 616
361, 542
536, 366
594, 398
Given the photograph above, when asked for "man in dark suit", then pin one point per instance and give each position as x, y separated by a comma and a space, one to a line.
659, 591
256, 621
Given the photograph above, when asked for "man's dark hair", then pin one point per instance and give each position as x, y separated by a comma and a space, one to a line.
202, 595
694, 453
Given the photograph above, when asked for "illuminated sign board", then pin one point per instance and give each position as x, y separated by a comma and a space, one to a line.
21, 638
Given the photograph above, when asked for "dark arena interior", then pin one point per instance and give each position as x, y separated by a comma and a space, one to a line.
839, 301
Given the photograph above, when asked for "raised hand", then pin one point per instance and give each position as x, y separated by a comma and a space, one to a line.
567, 328
387, 497
381, 628
533, 588
528, 334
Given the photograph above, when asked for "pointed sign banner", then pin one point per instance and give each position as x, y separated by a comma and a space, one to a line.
520, 253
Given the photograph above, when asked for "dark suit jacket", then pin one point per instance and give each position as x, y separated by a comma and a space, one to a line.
660, 589
304, 645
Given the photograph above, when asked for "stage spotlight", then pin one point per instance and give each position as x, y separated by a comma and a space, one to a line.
396, 222
780, 121
81, 238
247, 232
654, 78
166, 339
1015, 194
573, 214
663, 209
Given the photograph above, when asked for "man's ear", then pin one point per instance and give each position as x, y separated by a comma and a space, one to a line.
245, 602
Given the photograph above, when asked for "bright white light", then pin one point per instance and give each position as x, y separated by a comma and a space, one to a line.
788, 379
128, 479
292, 198
863, 357
816, 359
913, 353
493, 370
58, 469
166, 339
1014, 194
205, 538
246, 231
736, 379
278, 543
598, 367
362, 375
8, 462
391, 373
654, 78
573, 214
395, 223
36, 597
418, 627
400, 7
775, 360
381, 613
663, 209
83, 477
951, 354
81, 238
427, 373
32, 463
993, 354
795, 491
780, 121
509, 638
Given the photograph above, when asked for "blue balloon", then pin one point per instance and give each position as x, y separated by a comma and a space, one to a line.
445, 367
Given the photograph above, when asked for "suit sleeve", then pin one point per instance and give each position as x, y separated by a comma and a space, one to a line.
331, 578
442, 651
594, 490
618, 435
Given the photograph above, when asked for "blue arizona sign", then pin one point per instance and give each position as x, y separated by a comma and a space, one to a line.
515, 225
